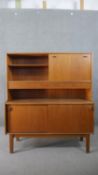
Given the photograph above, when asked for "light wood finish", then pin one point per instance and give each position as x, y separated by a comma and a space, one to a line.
50, 118
27, 119
69, 67
11, 142
49, 84
89, 94
49, 94
44, 4
28, 65
77, 118
50, 101
88, 143
81, 4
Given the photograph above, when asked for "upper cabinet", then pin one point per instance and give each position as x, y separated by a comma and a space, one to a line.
69, 67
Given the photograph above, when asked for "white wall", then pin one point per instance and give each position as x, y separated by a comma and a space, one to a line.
91, 4
51, 4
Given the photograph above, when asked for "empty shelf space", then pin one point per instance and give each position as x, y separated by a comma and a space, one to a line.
47, 93
28, 59
28, 73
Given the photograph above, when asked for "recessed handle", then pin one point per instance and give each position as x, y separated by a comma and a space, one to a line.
85, 56
54, 56
10, 109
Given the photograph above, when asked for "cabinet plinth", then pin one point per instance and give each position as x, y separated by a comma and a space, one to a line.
49, 94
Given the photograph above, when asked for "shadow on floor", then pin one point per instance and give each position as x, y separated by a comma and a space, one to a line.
29, 143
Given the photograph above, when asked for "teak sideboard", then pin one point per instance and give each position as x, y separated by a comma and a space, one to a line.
49, 94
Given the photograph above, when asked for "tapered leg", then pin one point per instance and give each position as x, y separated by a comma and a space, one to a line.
81, 138
88, 143
11, 142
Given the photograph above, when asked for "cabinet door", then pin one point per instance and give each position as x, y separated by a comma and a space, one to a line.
69, 67
27, 118
70, 119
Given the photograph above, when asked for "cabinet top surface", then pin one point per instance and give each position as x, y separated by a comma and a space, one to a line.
46, 53
50, 101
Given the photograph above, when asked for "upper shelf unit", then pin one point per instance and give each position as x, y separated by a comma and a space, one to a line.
49, 75
49, 70
29, 67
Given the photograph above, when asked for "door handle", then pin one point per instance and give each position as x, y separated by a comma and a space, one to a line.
10, 109
85, 56
54, 56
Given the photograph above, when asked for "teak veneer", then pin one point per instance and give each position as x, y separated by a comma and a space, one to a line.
49, 95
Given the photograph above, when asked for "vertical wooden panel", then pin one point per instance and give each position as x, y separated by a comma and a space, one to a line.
81, 4
44, 4
59, 67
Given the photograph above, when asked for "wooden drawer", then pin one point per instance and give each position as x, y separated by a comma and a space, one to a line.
27, 118
70, 118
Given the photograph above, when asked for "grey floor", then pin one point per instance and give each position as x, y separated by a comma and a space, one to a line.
48, 156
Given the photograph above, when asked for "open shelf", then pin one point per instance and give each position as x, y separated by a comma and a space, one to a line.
18, 59
65, 94
46, 76
29, 67
31, 73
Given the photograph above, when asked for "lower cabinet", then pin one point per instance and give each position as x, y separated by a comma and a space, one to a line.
70, 118
50, 118
27, 118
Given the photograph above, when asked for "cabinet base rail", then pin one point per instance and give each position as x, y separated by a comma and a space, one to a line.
17, 136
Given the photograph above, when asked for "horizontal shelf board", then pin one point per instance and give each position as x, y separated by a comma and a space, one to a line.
49, 85
49, 101
48, 134
28, 65
28, 54
45, 53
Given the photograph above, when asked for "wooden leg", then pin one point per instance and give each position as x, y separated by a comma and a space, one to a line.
81, 138
11, 142
87, 143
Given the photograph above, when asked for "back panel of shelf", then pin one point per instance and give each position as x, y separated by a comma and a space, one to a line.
27, 59
46, 94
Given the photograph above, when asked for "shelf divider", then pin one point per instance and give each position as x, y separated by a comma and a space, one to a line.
48, 85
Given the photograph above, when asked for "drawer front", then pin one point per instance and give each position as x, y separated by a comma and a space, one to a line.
70, 119
27, 118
